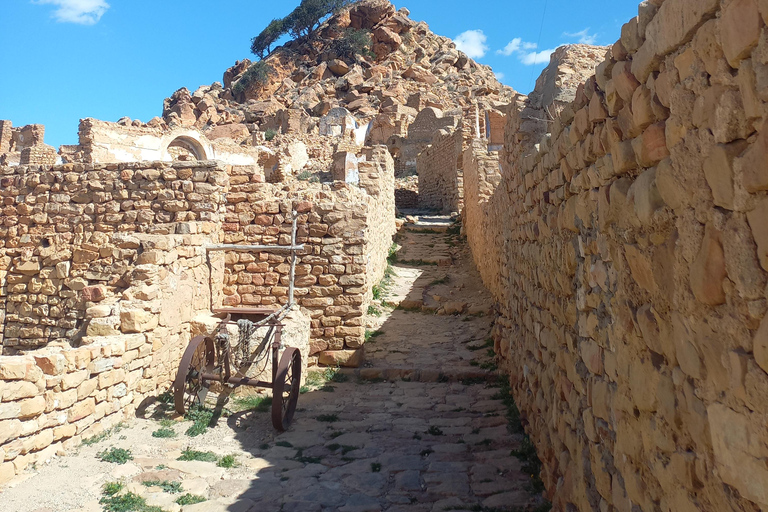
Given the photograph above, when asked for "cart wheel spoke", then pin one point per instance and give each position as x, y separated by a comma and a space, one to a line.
189, 388
285, 389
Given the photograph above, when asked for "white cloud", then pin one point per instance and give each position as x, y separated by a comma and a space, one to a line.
584, 36
533, 58
512, 47
499, 76
472, 42
83, 12
525, 52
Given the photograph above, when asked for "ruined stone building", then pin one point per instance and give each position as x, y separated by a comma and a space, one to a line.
618, 214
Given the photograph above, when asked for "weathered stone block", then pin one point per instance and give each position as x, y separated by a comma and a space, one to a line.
708, 269
740, 26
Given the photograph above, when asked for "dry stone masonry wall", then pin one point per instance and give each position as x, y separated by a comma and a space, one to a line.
441, 177
105, 278
627, 251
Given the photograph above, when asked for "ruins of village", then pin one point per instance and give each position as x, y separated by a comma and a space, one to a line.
617, 218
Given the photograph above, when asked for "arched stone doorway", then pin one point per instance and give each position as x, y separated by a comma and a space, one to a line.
186, 149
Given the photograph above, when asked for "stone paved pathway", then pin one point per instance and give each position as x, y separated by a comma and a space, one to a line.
421, 427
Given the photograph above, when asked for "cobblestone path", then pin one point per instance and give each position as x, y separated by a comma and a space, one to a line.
423, 426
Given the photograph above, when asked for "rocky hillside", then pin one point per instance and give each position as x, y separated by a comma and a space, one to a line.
404, 69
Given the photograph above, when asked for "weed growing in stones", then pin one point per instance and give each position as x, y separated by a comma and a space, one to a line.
370, 336
328, 389
489, 365
112, 488
434, 431
128, 502
300, 457
347, 448
201, 419
284, 444
227, 461
164, 433
115, 455
190, 454
328, 418
104, 435
255, 403
427, 452
375, 467
374, 311
333, 446
190, 499
336, 434
165, 485
303, 390
264, 446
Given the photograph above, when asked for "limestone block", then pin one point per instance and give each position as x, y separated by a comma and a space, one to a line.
645, 197
81, 410
718, 170
9, 430
52, 364
74, 379
708, 269
31, 407
16, 390
740, 26
13, 368
641, 268
737, 446
7, 472
345, 167
754, 164
741, 262
624, 81
345, 358
757, 221
137, 321
651, 147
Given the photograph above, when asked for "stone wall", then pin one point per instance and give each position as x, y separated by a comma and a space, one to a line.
103, 141
441, 178
347, 232
101, 273
630, 267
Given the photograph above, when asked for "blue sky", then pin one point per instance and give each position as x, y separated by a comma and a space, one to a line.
63, 60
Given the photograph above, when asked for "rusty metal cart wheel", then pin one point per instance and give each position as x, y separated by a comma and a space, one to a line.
285, 389
190, 388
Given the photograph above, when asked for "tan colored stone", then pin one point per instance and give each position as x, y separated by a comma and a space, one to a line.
708, 269
740, 26
137, 320
718, 169
345, 358
758, 221
640, 266
738, 451
31, 407
754, 164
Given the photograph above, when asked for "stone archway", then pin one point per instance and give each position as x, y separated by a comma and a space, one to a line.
186, 149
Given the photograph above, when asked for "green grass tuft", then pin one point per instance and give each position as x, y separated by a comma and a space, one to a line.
190, 499
115, 455
201, 419
227, 461
257, 403
328, 418
165, 485
112, 488
164, 433
375, 467
190, 454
